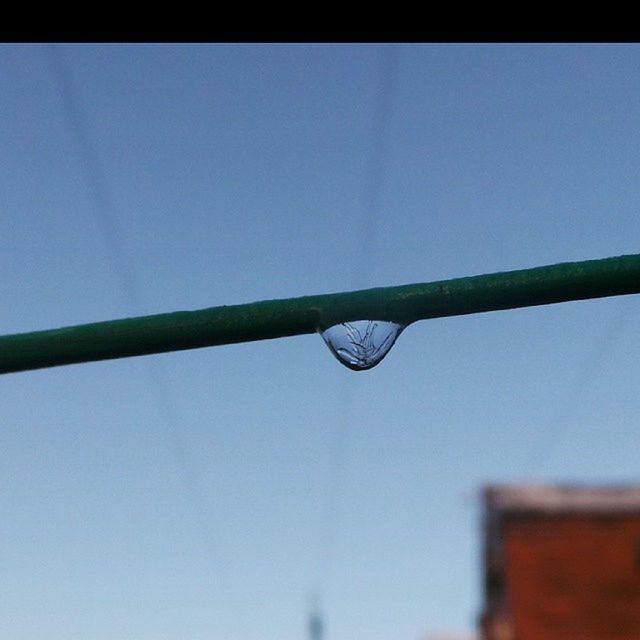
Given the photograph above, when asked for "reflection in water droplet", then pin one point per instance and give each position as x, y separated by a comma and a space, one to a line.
361, 344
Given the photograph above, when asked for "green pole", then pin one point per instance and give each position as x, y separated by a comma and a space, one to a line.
294, 316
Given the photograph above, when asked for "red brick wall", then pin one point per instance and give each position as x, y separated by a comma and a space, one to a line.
573, 577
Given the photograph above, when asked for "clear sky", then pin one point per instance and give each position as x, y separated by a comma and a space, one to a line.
207, 494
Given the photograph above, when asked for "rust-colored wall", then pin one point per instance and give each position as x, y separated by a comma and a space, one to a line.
573, 577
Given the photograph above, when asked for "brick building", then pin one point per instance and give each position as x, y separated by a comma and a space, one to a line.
561, 563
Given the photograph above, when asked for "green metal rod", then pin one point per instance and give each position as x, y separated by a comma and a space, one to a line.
280, 318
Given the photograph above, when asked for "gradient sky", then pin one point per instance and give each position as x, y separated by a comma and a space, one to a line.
208, 494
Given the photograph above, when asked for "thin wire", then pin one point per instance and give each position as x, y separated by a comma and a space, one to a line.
375, 168
562, 417
96, 183
376, 165
336, 480
158, 386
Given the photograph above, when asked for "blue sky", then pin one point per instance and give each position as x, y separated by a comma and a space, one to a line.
206, 494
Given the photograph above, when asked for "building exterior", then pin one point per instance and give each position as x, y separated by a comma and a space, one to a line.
561, 563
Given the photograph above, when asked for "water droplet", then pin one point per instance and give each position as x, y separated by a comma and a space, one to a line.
361, 344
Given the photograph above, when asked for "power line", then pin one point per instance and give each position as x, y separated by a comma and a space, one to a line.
157, 383
561, 419
96, 182
375, 166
